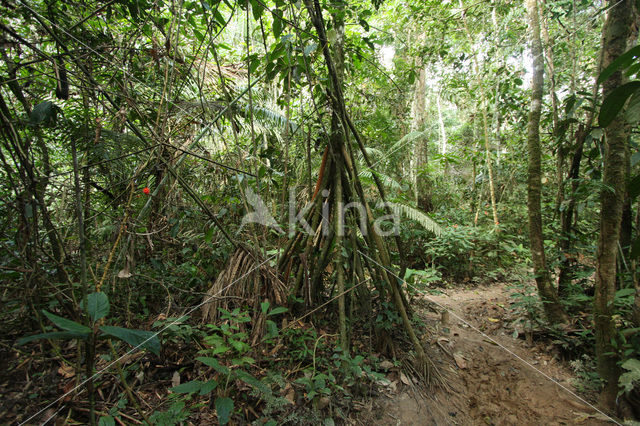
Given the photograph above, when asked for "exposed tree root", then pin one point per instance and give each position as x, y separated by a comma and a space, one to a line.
243, 282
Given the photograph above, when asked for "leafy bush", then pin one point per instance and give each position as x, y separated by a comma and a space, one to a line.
474, 253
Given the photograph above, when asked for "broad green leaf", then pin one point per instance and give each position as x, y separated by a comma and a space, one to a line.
43, 113
632, 114
208, 235
213, 363
257, 9
272, 329
569, 103
634, 187
224, 408
188, 387
277, 23
106, 421
65, 335
623, 61
412, 77
278, 310
97, 306
198, 35
208, 386
136, 338
67, 324
253, 66
612, 105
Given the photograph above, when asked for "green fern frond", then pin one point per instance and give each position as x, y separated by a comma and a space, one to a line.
416, 215
632, 377
373, 152
388, 181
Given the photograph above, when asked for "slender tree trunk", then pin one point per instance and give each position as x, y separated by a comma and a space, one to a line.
616, 31
443, 131
549, 298
485, 122
626, 227
569, 215
560, 158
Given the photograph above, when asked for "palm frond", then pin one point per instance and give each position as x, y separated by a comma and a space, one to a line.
271, 118
406, 139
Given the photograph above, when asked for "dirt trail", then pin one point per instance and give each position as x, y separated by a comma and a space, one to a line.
490, 386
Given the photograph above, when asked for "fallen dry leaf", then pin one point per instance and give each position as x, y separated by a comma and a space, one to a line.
460, 361
386, 365
404, 379
124, 273
66, 371
175, 379
291, 396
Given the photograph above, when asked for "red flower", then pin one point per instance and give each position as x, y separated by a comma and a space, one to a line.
146, 190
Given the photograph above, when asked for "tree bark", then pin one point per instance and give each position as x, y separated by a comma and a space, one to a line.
616, 30
552, 307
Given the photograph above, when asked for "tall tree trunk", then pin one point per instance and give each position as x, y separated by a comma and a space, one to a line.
616, 30
337, 137
422, 182
549, 298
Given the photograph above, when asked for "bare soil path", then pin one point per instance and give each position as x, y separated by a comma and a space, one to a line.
491, 386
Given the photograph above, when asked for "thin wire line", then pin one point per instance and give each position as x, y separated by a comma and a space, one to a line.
326, 303
52, 416
494, 341
155, 334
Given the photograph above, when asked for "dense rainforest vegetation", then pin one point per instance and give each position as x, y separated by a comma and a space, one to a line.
248, 211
